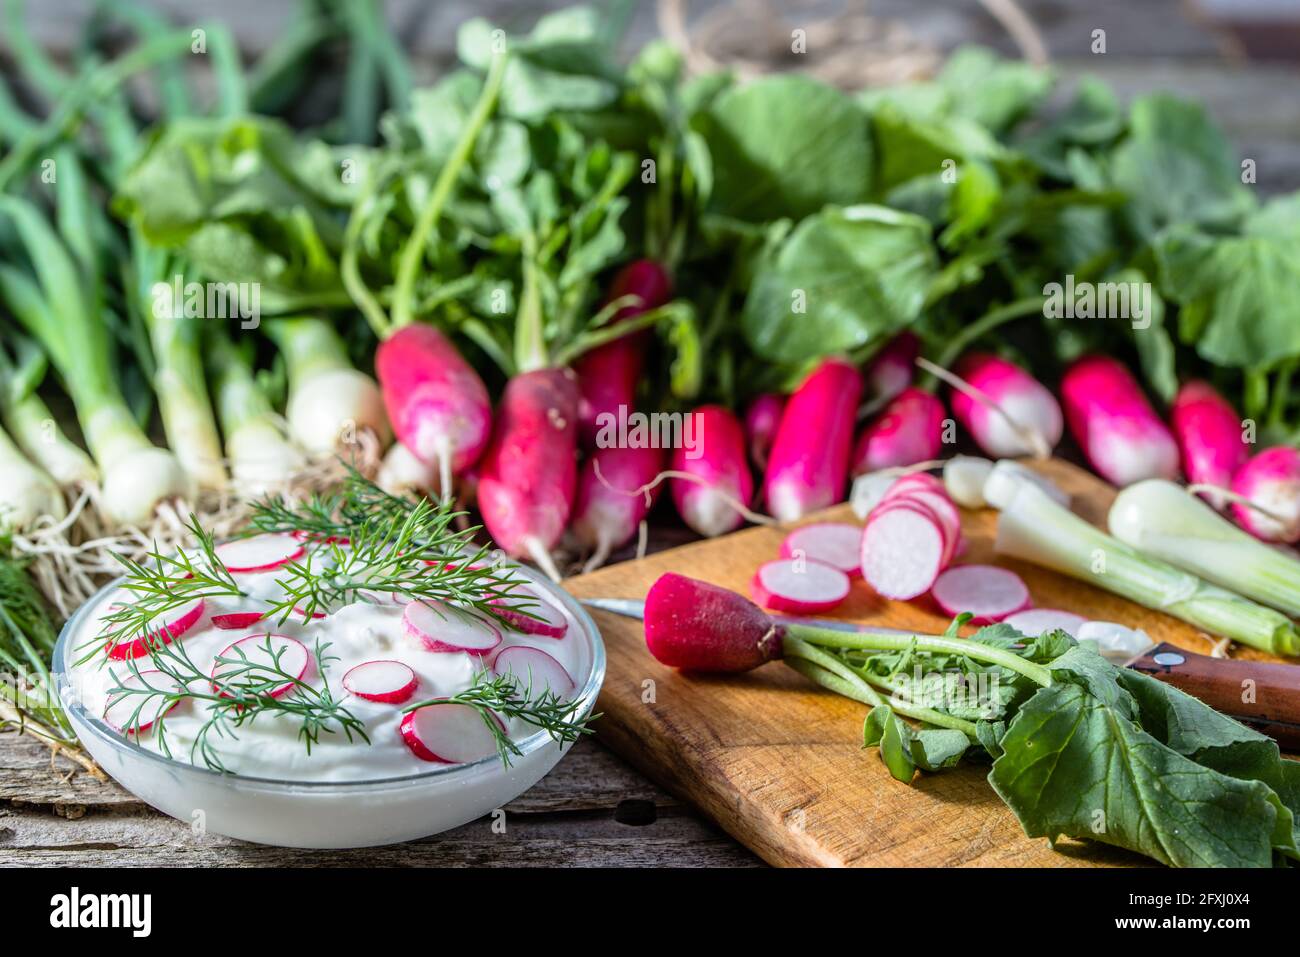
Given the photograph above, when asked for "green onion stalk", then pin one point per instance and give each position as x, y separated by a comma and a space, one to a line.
1037, 529
29, 420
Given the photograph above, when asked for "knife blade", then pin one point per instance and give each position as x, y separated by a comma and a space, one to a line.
1261, 695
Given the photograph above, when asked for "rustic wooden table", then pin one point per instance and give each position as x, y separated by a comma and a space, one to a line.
593, 809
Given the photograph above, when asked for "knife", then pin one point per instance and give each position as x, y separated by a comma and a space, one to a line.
1260, 694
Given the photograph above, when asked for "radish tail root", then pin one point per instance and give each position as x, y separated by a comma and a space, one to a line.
543, 560
1032, 437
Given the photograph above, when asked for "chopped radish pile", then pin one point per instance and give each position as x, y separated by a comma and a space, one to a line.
252, 660
439, 627
986, 591
448, 734
799, 585
1033, 622
548, 622
903, 550
389, 682
535, 670
837, 544
235, 620
172, 624
121, 711
261, 553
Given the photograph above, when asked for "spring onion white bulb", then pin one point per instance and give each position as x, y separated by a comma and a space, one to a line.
26, 492
1164, 520
31, 423
1006, 477
1036, 529
964, 477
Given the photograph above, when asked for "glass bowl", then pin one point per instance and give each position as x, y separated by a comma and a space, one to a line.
324, 814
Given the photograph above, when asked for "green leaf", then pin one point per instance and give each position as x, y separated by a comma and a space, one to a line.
990, 90
908, 145
784, 146
903, 749
860, 274
1177, 166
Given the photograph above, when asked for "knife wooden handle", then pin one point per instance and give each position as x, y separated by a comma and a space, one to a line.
1263, 695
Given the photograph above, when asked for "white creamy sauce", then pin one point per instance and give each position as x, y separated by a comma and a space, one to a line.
270, 746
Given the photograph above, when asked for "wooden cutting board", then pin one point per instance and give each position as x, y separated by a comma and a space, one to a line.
778, 761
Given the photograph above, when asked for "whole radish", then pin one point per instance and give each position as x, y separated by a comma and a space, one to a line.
528, 473
436, 402
1027, 418
1271, 479
608, 374
1114, 424
908, 430
696, 626
609, 507
809, 464
762, 419
715, 457
1209, 435
891, 370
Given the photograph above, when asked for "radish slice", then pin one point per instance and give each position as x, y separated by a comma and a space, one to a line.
799, 585
868, 491
121, 708
986, 591
440, 627
261, 553
269, 655
535, 670
315, 538
389, 682
937, 502
837, 544
1033, 622
449, 733
236, 620
951, 533
549, 621
902, 550
173, 624
302, 613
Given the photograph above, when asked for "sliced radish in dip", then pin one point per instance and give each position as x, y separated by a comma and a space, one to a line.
121, 713
236, 620
837, 544
172, 624
252, 661
534, 670
388, 682
448, 733
548, 622
799, 585
261, 553
440, 627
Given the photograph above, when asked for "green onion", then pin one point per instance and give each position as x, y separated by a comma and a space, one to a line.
29, 419
1035, 528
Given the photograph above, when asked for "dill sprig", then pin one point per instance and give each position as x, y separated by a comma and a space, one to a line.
495, 696
238, 691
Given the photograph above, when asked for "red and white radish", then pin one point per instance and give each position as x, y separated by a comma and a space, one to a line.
810, 458
1271, 480
258, 659
716, 460
120, 712
837, 544
799, 585
908, 430
235, 620
435, 626
931, 496
1020, 416
1033, 622
546, 621
696, 626
762, 419
963, 479
261, 553
402, 472
610, 505
171, 624
890, 370
534, 670
528, 475
988, 592
384, 681
436, 402
608, 374
1114, 424
1210, 437
904, 548
449, 733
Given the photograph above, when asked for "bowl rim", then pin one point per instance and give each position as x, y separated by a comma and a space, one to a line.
534, 742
